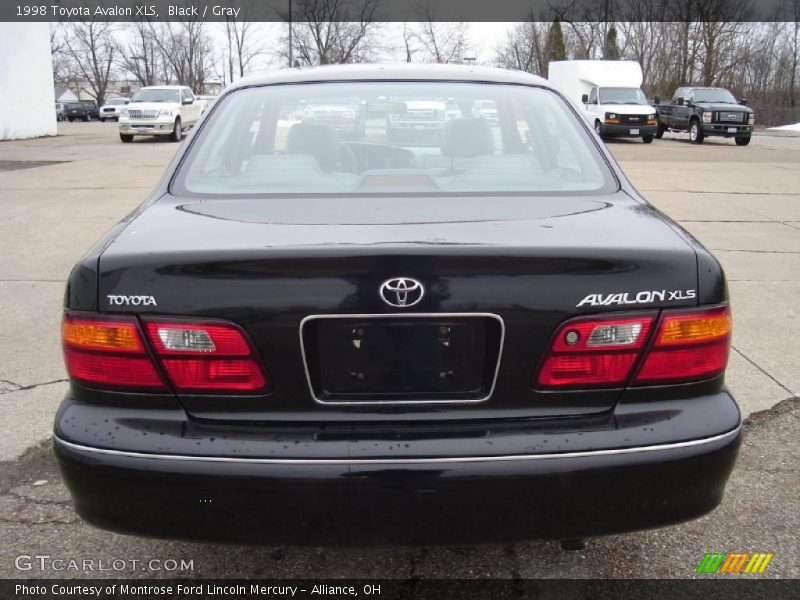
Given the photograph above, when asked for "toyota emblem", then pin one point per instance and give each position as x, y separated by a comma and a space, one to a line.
401, 292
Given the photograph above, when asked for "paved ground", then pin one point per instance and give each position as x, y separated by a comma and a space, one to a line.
742, 203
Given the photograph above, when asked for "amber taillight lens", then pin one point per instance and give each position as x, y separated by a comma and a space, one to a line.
196, 356
604, 351
108, 353
689, 345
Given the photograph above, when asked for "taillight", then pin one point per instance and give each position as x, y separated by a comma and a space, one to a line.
206, 356
594, 352
689, 345
108, 353
597, 352
196, 356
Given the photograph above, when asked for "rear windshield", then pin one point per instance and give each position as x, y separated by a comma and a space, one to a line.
392, 137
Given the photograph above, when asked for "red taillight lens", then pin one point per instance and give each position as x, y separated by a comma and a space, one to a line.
586, 369
594, 352
108, 353
214, 374
206, 356
690, 345
196, 356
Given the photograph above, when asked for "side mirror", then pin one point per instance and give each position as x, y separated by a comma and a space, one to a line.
585, 98
743, 101
657, 100
127, 101
679, 102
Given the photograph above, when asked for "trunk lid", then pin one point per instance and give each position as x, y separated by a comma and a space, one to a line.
272, 265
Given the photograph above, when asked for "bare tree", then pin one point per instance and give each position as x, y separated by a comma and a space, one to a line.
141, 56
526, 48
684, 42
793, 48
644, 28
62, 68
719, 25
409, 43
588, 23
186, 52
91, 48
333, 31
242, 45
440, 41
240, 50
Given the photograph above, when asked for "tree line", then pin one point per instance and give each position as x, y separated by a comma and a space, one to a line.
713, 45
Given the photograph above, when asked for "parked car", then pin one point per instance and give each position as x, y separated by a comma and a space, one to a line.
704, 112
609, 91
418, 120
112, 108
345, 117
485, 109
288, 344
60, 111
452, 110
208, 100
165, 110
83, 110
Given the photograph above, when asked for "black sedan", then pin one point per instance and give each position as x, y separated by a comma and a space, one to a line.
304, 339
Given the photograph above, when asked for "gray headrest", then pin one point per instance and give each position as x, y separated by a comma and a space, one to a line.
464, 138
315, 139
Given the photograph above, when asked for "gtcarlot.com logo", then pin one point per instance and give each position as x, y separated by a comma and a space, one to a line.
728, 563
45, 562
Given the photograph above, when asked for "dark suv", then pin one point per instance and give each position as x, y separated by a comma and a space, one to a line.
84, 110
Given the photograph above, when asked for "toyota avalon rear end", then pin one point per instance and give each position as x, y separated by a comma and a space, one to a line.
305, 339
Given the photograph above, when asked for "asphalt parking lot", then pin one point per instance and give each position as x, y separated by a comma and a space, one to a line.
58, 196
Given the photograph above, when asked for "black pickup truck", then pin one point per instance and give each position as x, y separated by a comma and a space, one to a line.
705, 111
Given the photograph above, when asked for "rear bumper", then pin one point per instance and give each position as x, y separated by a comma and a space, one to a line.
421, 495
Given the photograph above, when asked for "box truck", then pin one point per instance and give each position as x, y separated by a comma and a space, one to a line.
609, 94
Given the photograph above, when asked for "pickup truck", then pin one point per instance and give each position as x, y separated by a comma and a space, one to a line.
345, 117
415, 119
703, 112
112, 108
165, 110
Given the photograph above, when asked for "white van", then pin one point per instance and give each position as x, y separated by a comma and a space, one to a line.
610, 94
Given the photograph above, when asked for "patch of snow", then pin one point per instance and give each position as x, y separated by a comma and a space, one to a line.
795, 127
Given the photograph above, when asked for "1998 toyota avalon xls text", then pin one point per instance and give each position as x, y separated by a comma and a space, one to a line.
480, 335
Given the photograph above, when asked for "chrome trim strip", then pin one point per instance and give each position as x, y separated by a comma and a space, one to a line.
498, 318
394, 461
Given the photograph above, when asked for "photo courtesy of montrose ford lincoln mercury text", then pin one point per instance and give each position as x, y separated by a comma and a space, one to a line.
474, 331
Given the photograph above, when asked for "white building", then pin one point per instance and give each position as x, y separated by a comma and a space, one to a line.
64, 94
26, 81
